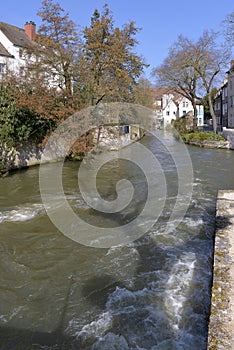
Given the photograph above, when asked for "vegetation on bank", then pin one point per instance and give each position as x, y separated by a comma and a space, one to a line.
97, 64
201, 136
184, 126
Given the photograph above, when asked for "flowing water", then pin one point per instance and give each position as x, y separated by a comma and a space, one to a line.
153, 293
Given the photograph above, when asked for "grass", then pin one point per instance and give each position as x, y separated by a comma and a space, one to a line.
202, 136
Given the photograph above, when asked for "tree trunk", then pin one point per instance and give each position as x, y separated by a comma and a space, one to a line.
212, 113
194, 115
68, 85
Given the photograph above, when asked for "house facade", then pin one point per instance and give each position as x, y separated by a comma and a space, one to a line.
14, 41
224, 101
230, 96
170, 106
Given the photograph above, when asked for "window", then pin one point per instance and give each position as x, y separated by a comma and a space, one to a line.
167, 113
231, 101
184, 112
2, 67
21, 71
200, 111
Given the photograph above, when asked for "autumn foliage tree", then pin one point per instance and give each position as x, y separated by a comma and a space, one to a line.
143, 93
109, 67
58, 45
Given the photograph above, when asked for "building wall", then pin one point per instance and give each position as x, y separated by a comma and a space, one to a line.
12, 63
172, 109
184, 107
230, 103
224, 107
169, 109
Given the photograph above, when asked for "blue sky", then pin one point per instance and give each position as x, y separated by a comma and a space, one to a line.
161, 21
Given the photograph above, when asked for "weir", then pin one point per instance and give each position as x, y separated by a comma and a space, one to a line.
221, 325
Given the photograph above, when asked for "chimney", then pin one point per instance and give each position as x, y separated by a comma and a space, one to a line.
30, 30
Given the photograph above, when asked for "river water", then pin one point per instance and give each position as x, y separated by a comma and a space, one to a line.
153, 293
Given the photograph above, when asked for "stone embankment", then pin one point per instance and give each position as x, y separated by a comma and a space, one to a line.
221, 324
228, 134
209, 144
105, 137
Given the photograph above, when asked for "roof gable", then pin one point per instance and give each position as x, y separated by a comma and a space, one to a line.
159, 92
16, 35
4, 52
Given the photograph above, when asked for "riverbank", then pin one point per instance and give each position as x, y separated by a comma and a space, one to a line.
104, 137
206, 140
208, 144
221, 324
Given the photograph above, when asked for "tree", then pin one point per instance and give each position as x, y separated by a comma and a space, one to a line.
143, 93
177, 74
209, 59
229, 29
206, 103
17, 123
193, 66
109, 68
58, 46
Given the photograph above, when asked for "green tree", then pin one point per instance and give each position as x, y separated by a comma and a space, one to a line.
19, 123
109, 67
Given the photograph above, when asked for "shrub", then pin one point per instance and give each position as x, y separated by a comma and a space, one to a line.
202, 136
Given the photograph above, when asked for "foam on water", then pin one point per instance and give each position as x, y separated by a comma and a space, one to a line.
178, 287
96, 328
111, 341
21, 213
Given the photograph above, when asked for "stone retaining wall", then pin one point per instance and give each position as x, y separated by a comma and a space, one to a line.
105, 137
228, 134
221, 324
209, 144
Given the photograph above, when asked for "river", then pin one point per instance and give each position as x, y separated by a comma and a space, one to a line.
152, 293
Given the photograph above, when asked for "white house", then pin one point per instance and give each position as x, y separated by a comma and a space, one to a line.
18, 47
170, 106
169, 109
13, 43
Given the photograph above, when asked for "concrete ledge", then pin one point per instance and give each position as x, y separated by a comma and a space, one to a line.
221, 324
